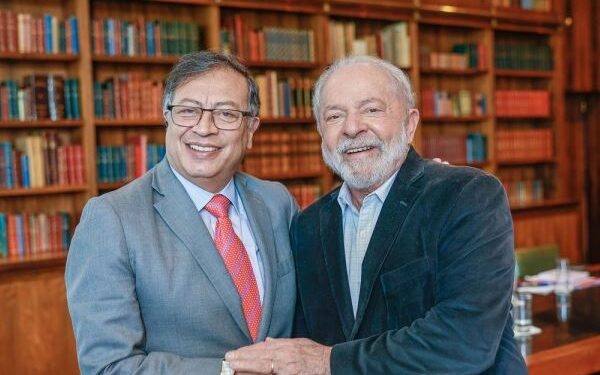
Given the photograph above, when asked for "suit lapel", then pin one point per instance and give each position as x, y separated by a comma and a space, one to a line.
185, 221
335, 261
262, 229
398, 203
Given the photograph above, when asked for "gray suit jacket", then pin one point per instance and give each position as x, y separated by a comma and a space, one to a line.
149, 293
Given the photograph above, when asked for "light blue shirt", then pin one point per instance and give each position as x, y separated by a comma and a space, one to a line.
358, 228
238, 217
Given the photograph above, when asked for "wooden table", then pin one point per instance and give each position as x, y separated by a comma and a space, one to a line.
566, 348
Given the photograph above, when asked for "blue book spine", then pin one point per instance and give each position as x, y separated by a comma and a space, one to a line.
74, 34
20, 237
48, 33
150, 42
3, 236
25, 171
67, 97
66, 229
7, 150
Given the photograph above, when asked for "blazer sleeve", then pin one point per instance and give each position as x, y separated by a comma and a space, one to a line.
103, 304
461, 333
299, 329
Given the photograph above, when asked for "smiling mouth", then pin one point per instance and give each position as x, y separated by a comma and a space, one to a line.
360, 149
203, 148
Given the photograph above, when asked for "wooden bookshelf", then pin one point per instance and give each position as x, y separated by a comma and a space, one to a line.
110, 123
284, 120
38, 57
524, 73
150, 60
454, 119
5, 193
34, 262
524, 162
41, 124
453, 72
549, 204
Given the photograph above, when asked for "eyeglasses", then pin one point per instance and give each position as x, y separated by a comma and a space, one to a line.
224, 119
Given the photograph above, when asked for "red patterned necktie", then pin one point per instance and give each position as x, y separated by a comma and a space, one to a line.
237, 262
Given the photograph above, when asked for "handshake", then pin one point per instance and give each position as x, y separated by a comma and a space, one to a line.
279, 356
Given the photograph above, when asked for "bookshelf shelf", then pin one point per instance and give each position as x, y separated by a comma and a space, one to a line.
544, 205
5, 193
453, 119
281, 65
524, 162
520, 117
478, 164
33, 124
283, 120
33, 262
156, 60
524, 73
39, 57
453, 72
110, 123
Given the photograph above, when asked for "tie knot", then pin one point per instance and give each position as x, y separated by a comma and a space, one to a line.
218, 206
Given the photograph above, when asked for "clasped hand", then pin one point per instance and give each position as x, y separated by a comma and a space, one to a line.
281, 356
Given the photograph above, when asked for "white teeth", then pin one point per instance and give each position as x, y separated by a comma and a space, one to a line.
203, 148
354, 150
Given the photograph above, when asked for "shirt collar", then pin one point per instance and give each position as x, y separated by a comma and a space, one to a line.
201, 197
345, 198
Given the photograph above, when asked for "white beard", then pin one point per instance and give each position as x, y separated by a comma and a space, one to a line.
367, 172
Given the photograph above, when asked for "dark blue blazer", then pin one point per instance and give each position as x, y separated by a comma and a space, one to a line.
436, 278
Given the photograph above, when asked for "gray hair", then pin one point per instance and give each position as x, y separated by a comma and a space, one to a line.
195, 64
399, 79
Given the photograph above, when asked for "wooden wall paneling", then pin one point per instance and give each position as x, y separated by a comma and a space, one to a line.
591, 135
579, 54
37, 335
559, 227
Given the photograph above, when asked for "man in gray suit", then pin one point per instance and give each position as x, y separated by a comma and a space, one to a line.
168, 273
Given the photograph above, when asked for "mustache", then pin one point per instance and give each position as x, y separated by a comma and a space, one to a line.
348, 144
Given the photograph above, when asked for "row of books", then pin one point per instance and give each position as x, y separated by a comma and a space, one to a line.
144, 38
305, 194
289, 97
29, 33
440, 103
524, 192
284, 152
33, 233
462, 56
523, 103
524, 144
456, 148
40, 97
539, 5
523, 56
127, 162
275, 142
391, 43
36, 161
128, 96
267, 43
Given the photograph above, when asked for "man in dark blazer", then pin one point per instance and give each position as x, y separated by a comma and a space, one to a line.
407, 268
193, 259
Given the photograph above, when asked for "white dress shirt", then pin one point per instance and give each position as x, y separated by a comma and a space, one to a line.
238, 217
358, 226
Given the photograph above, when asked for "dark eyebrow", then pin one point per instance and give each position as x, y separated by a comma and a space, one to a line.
191, 101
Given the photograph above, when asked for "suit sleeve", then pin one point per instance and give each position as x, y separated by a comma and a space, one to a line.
104, 307
461, 333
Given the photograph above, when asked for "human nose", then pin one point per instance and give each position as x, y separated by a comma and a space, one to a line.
354, 125
206, 125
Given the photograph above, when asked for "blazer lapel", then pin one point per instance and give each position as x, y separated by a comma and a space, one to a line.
262, 229
335, 261
398, 203
178, 211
